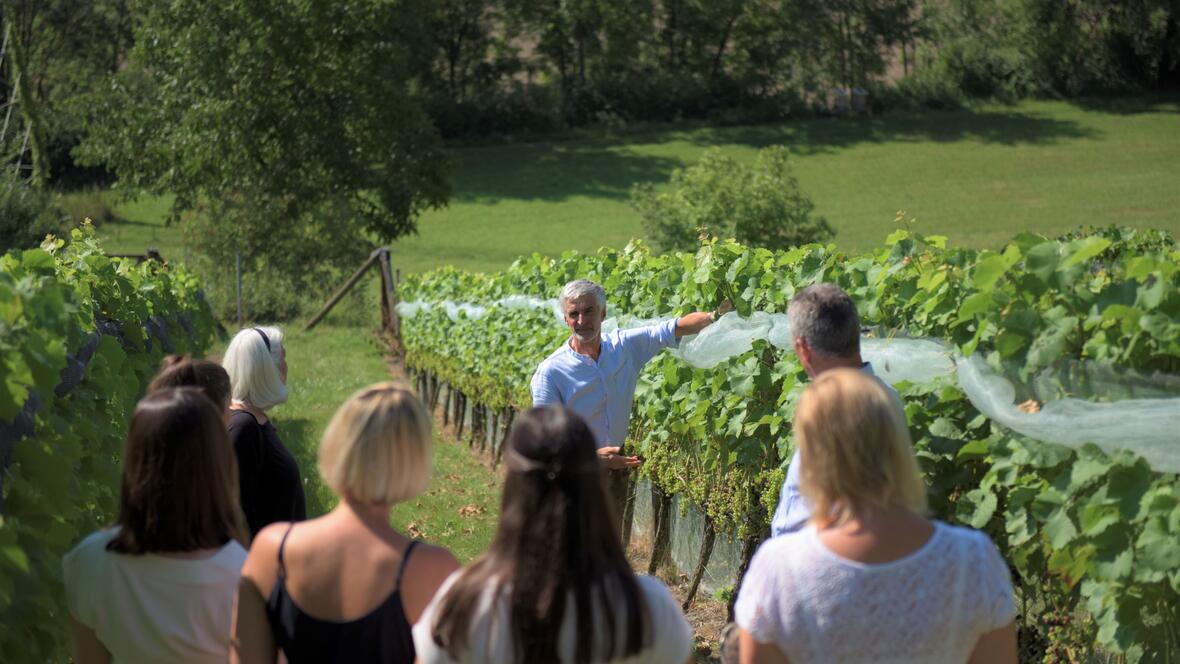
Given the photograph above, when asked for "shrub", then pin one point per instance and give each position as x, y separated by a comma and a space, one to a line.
89, 204
26, 215
759, 205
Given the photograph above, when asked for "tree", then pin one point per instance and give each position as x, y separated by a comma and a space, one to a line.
292, 128
462, 36
759, 205
55, 50
19, 21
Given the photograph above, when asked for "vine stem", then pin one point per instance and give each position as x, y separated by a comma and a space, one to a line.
702, 562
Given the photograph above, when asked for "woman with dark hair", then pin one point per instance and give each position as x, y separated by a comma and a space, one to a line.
159, 586
184, 371
555, 585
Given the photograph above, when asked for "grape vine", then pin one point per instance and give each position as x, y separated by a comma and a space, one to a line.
80, 336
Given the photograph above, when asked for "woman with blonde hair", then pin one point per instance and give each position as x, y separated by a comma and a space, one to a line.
871, 578
271, 488
346, 587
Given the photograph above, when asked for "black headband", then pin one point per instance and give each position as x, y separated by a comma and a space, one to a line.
265, 340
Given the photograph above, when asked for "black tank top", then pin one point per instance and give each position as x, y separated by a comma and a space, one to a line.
381, 636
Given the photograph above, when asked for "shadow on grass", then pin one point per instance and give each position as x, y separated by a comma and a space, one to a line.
608, 168
825, 135
124, 221
554, 171
1150, 104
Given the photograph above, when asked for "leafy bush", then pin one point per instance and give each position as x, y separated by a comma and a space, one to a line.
759, 205
26, 215
516, 110
89, 204
1007, 49
80, 336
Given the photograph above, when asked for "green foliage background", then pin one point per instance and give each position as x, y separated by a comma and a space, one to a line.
1091, 534
290, 129
80, 336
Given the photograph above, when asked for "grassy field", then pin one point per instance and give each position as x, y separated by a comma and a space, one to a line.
327, 364
139, 224
979, 176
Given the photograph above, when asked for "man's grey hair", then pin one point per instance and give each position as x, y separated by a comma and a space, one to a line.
580, 288
825, 318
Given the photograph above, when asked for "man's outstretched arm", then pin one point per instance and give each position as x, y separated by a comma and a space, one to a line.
699, 320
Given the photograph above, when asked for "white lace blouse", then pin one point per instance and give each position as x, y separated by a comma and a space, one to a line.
929, 606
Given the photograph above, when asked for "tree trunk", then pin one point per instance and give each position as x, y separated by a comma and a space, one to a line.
504, 438
749, 547
629, 511
716, 68
581, 52
673, 28
662, 542
702, 562
29, 109
482, 419
486, 444
460, 415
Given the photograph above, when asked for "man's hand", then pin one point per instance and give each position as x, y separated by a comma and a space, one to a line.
699, 320
615, 461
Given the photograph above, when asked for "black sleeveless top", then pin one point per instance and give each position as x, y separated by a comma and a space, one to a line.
381, 636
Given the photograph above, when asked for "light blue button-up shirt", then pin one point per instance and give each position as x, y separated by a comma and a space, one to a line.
602, 391
793, 510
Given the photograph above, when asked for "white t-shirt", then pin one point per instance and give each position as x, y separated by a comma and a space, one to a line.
929, 606
492, 638
153, 608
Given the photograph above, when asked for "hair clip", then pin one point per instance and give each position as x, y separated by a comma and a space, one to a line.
522, 464
265, 339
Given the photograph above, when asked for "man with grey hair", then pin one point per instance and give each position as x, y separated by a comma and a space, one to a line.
594, 374
825, 334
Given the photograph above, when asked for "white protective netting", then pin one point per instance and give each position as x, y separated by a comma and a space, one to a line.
687, 534
1110, 408
1149, 427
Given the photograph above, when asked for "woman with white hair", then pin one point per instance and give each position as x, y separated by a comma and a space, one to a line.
346, 587
871, 578
271, 488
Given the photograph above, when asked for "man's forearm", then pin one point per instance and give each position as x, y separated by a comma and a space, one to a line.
693, 323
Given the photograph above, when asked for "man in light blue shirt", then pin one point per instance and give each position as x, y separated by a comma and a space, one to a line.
594, 374
825, 333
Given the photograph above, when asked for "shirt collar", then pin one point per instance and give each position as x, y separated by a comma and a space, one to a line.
569, 349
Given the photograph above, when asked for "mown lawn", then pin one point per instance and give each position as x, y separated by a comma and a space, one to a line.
327, 364
979, 176
139, 224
